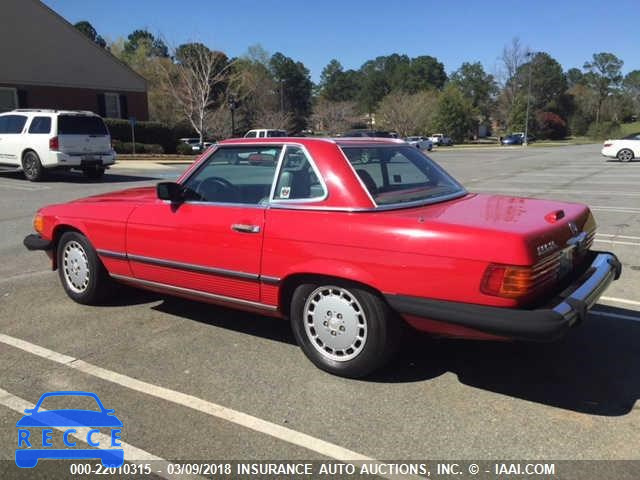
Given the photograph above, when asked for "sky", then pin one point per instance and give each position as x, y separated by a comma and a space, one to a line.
353, 31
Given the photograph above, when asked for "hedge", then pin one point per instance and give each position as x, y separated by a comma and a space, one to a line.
127, 147
154, 133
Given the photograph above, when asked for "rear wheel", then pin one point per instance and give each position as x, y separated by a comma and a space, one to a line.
82, 274
93, 172
625, 155
344, 329
32, 167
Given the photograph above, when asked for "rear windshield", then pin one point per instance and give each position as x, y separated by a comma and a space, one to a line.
276, 133
81, 125
400, 174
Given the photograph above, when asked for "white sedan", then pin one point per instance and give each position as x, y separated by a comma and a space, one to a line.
421, 143
625, 149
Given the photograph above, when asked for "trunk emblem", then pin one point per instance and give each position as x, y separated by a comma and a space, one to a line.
546, 248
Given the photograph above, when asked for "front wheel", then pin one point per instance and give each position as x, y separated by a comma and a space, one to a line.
344, 329
625, 155
82, 274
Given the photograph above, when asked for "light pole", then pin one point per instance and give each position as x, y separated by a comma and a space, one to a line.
526, 122
282, 95
233, 104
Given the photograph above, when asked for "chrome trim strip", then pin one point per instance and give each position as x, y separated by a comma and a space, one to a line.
198, 293
111, 254
269, 280
194, 268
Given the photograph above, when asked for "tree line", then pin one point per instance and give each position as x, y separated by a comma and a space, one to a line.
194, 85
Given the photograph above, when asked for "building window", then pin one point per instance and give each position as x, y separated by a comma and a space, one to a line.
8, 99
112, 105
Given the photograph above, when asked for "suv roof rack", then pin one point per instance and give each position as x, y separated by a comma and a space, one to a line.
49, 110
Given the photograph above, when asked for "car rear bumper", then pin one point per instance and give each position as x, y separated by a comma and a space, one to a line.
541, 324
36, 242
61, 159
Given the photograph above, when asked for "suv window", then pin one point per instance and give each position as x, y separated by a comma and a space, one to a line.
235, 175
12, 123
297, 179
276, 133
81, 125
40, 125
400, 174
251, 134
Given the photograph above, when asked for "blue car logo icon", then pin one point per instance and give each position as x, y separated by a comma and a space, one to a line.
36, 431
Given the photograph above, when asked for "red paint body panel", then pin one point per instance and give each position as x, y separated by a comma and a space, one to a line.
437, 251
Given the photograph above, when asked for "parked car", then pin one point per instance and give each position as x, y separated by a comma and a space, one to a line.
37, 141
194, 143
530, 138
265, 133
423, 143
370, 133
441, 139
351, 239
512, 140
625, 149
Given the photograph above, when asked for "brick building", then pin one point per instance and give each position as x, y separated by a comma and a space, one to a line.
47, 63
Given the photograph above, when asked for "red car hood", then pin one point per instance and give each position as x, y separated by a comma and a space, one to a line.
138, 195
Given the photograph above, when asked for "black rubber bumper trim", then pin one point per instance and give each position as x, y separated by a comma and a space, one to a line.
36, 242
540, 325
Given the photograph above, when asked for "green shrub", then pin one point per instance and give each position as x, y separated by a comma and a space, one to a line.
604, 130
127, 147
148, 133
185, 149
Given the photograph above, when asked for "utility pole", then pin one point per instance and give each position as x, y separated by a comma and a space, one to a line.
233, 104
526, 124
281, 95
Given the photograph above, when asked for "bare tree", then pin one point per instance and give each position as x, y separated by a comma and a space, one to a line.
408, 114
334, 117
273, 119
195, 83
512, 58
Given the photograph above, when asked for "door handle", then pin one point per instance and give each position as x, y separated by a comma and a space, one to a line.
244, 228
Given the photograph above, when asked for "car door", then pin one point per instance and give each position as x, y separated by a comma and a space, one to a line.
11, 138
212, 241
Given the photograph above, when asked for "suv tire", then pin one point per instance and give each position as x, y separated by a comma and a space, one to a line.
32, 167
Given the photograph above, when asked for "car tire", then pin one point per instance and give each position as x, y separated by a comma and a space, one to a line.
625, 155
344, 329
32, 166
83, 276
93, 173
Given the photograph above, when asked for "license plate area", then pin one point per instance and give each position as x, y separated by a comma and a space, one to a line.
566, 261
90, 161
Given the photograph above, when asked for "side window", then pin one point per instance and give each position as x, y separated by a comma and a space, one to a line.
403, 172
15, 123
4, 124
251, 134
235, 175
261, 134
297, 179
40, 125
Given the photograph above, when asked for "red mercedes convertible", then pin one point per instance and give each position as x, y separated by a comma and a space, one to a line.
351, 239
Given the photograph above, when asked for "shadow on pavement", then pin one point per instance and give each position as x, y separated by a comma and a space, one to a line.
594, 370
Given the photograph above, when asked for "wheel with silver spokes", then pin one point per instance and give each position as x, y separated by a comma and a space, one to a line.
82, 274
344, 329
75, 266
625, 155
32, 167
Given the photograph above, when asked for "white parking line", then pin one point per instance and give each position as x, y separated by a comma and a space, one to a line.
621, 300
615, 235
615, 242
614, 209
131, 453
234, 416
614, 315
30, 188
563, 190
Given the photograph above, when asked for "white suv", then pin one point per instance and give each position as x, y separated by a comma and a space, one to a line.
37, 140
265, 132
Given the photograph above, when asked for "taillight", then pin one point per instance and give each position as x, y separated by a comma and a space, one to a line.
513, 281
54, 144
607, 144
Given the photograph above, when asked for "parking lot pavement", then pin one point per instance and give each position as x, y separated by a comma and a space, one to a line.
222, 385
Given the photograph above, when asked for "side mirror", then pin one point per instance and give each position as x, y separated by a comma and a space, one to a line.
170, 191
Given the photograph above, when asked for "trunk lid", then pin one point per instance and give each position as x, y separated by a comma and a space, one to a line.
83, 135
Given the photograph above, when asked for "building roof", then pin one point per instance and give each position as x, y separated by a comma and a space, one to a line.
39, 47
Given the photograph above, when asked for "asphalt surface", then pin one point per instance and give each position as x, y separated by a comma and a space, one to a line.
574, 399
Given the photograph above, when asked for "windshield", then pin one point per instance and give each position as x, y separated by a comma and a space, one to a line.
397, 174
81, 125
